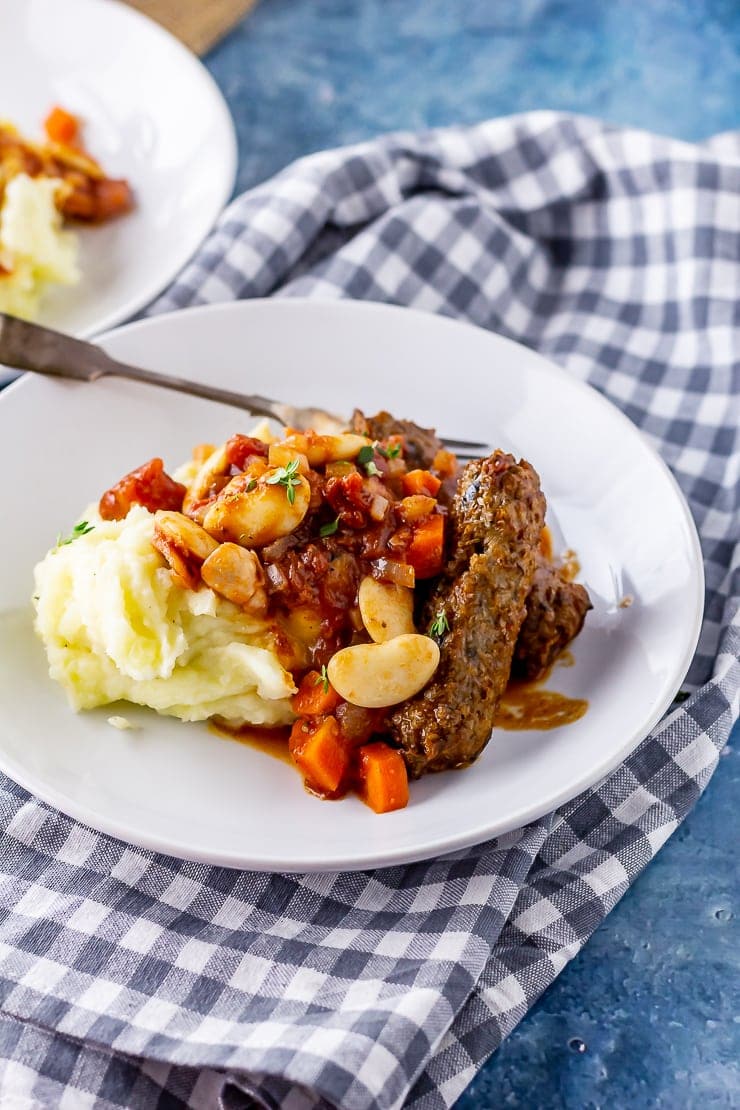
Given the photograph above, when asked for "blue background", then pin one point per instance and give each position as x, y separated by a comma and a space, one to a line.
649, 1014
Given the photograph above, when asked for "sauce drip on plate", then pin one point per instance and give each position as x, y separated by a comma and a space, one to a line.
526, 706
271, 741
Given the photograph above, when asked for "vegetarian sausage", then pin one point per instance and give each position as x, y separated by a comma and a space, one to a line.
476, 610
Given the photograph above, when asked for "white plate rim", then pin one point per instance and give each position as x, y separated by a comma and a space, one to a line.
487, 829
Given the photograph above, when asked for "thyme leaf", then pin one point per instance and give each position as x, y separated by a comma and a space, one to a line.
322, 679
80, 529
286, 476
439, 626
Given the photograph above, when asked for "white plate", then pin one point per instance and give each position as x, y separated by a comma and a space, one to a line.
179, 788
151, 114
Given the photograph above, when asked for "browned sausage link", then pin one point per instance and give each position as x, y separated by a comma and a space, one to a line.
497, 517
556, 610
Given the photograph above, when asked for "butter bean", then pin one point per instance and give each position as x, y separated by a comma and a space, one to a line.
184, 544
379, 675
387, 610
253, 513
320, 450
282, 454
236, 574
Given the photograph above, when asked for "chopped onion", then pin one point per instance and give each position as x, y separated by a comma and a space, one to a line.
275, 576
277, 548
388, 570
378, 507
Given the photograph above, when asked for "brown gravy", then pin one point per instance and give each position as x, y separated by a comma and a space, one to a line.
546, 546
271, 741
528, 706
570, 567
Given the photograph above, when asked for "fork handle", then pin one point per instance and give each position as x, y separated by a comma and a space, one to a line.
25, 346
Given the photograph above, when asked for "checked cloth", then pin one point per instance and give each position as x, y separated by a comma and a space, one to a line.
134, 980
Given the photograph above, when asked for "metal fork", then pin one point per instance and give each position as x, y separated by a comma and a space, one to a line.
25, 346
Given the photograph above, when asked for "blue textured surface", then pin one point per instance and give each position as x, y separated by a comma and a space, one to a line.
649, 1014
302, 75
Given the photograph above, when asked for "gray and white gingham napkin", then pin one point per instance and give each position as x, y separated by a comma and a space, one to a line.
128, 977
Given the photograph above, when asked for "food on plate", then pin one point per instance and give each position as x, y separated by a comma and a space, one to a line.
556, 609
359, 588
44, 186
496, 520
119, 625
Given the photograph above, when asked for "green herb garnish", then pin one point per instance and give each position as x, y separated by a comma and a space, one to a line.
365, 458
322, 678
330, 528
439, 626
365, 454
80, 529
286, 476
391, 452
251, 484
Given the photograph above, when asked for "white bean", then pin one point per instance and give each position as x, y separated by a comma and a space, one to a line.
184, 545
237, 575
387, 610
213, 467
282, 454
320, 450
250, 512
379, 675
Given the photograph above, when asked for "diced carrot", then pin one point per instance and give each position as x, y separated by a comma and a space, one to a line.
62, 127
315, 696
445, 463
421, 481
426, 550
317, 750
382, 777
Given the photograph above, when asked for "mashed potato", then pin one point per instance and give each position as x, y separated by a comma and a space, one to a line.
116, 626
34, 250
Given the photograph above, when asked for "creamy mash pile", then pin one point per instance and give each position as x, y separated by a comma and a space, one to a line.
117, 626
35, 252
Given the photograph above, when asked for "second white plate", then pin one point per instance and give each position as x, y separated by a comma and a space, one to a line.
181, 789
151, 113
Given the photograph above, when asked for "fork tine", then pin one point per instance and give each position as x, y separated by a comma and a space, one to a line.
463, 444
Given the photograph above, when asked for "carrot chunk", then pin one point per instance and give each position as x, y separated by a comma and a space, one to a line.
426, 550
315, 696
317, 750
62, 127
421, 481
382, 777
